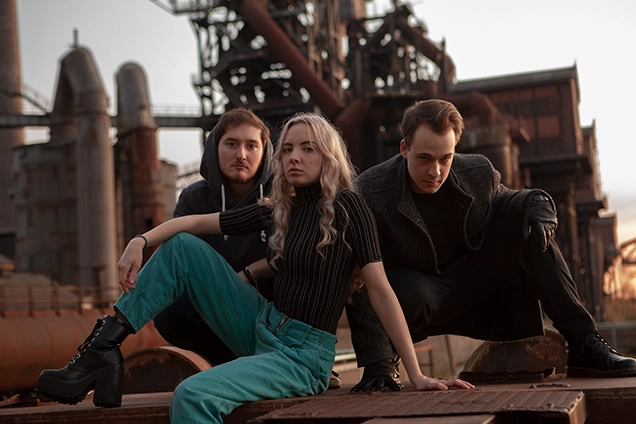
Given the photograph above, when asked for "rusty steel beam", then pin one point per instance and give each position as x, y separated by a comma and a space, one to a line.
425, 46
255, 14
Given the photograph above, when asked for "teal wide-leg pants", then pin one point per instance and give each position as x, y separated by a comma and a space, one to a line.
278, 356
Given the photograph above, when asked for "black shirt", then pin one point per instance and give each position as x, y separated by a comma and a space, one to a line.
310, 287
438, 211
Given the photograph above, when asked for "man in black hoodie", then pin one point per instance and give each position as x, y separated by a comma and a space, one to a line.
236, 171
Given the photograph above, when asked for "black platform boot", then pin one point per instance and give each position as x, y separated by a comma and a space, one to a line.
592, 356
99, 365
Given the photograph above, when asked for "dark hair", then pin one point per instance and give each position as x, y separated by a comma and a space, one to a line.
442, 116
239, 116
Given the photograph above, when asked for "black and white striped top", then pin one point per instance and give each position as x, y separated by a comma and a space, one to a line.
310, 287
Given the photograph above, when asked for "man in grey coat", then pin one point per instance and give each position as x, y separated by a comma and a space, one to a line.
466, 255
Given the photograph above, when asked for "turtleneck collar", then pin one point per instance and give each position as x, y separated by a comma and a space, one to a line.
308, 193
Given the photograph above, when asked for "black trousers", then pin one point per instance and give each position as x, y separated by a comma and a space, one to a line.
504, 259
181, 325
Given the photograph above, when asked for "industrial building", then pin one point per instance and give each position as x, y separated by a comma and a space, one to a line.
68, 206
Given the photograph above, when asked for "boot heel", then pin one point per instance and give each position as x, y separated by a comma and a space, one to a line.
108, 388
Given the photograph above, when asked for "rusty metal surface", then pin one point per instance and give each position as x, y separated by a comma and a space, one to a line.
160, 369
505, 377
432, 403
462, 419
137, 409
607, 400
533, 355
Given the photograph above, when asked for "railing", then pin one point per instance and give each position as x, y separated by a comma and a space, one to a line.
175, 110
20, 299
34, 97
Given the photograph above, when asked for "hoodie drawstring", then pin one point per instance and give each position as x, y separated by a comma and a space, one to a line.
260, 188
263, 235
225, 236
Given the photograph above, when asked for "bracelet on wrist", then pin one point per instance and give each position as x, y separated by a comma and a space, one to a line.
250, 278
145, 240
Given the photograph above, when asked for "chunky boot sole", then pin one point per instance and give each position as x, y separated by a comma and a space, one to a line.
106, 382
590, 372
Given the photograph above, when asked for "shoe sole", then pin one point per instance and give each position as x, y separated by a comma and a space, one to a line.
335, 383
587, 372
105, 381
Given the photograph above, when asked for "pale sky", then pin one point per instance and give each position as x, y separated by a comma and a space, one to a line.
484, 38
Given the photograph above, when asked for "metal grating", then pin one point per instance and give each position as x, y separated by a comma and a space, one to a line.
431, 404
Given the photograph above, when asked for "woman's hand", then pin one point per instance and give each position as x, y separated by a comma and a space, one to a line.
129, 264
426, 383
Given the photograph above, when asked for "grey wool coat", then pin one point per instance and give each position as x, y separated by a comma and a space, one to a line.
405, 243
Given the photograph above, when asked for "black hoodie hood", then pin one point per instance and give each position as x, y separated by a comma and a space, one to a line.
206, 196
211, 172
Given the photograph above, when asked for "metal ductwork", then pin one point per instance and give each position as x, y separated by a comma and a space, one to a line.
487, 133
81, 109
138, 162
10, 104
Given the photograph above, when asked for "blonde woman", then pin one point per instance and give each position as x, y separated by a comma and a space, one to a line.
322, 233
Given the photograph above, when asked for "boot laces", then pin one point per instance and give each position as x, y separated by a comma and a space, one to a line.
604, 342
84, 346
396, 363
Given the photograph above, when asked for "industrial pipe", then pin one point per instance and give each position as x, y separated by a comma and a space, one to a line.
487, 133
10, 104
350, 121
48, 340
143, 202
81, 107
477, 104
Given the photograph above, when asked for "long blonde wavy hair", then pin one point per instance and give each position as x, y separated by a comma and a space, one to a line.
337, 174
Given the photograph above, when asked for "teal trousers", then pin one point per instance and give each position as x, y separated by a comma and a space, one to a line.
278, 356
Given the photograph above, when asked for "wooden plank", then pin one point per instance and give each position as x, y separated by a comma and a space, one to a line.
458, 419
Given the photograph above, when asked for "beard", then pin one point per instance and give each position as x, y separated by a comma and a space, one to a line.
240, 178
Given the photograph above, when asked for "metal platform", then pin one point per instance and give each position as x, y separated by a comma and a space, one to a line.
523, 406
557, 400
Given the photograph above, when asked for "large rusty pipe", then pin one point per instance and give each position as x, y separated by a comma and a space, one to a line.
488, 133
256, 15
137, 137
350, 121
11, 104
80, 93
477, 104
48, 340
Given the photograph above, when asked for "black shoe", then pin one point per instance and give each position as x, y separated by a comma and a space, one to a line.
592, 356
395, 374
99, 365
335, 382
